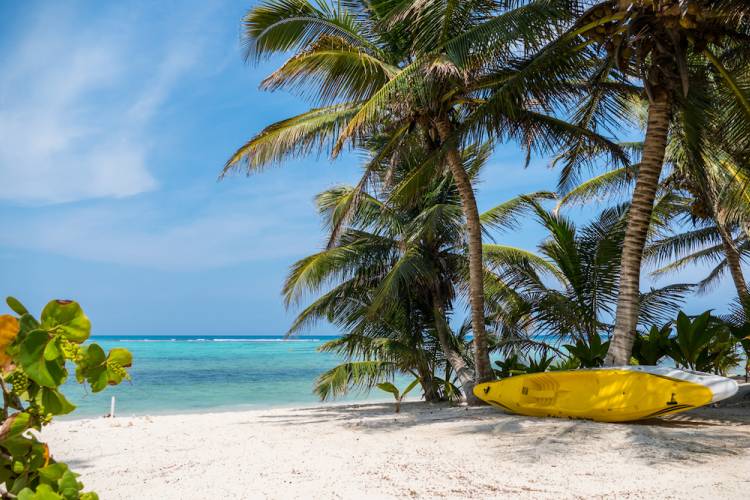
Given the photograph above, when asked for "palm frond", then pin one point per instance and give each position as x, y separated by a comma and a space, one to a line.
314, 130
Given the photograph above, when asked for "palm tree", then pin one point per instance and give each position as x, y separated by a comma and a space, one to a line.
390, 278
401, 69
702, 186
571, 284
670, 45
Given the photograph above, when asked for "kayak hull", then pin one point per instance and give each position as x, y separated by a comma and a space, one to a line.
618, 394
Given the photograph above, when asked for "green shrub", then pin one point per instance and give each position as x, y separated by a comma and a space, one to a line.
510, 366
650, 348
34, 355
589, 354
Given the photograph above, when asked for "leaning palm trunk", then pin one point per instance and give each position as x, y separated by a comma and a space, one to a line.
639, 215
463, 372
476, 269
735, 268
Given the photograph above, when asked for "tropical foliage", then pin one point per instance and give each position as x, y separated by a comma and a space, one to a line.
34, 354
425, 90
389, 280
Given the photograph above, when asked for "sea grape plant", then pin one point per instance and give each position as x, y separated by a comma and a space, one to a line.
34, 360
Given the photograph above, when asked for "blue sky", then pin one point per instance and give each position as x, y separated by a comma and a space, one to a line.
115, 118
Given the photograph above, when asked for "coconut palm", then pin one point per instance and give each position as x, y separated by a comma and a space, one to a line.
702, 187
390, 278
570, 285
673, 47
401, 68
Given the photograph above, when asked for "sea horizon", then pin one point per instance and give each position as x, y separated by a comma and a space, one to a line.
174, 374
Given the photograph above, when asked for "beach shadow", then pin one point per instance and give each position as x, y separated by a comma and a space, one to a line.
692, 437
377, 416
684, 441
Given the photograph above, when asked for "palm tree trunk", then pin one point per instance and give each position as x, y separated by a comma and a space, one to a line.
463, 372
735, 267
639, 216
429, 387
482, 365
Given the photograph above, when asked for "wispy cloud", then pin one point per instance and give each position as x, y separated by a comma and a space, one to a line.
225, 225
76, 99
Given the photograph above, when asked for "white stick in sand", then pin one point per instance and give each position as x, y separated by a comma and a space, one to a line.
112, 408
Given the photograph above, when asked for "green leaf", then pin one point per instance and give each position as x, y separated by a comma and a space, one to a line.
388, 387
98, 379
69, 486
51, 351
28, 324
55, 403
14, 425
32, 359
68, 317
89, 496
16, 306
94, 355
121, 356
17, 446
43, 492
410, 387
93, 368
52, 472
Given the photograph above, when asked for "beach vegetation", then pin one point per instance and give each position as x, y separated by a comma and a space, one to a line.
510, 366
35, 355
591, 353
425, 91
681, 52
389, 280
398, 395
446, 71
567, 289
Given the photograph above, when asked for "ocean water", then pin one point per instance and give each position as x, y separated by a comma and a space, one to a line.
185, 374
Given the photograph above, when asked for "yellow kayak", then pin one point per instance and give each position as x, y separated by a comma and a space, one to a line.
617, 394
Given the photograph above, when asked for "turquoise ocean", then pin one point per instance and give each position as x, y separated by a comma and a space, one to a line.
184, 374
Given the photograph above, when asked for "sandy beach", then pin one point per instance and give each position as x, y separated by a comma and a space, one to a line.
426, 451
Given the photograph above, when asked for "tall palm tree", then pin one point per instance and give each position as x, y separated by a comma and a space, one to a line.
701, 186
665, 44
404, 68
571, 284
390, 277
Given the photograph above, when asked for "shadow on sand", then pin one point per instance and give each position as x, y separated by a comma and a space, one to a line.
691, 437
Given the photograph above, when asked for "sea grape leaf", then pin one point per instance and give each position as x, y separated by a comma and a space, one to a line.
121, 356
39, 455
68, 316
52, 472
94, 368
94, 355
43, 492
16, 306
51, 351
113, 377
28, 324
14, 425
55, 403
69, 486
9, 328
17, 446
33, 362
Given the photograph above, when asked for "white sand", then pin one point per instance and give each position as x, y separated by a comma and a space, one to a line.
367, 451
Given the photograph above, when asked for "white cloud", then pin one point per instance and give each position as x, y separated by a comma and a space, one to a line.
75, 101
195, 229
